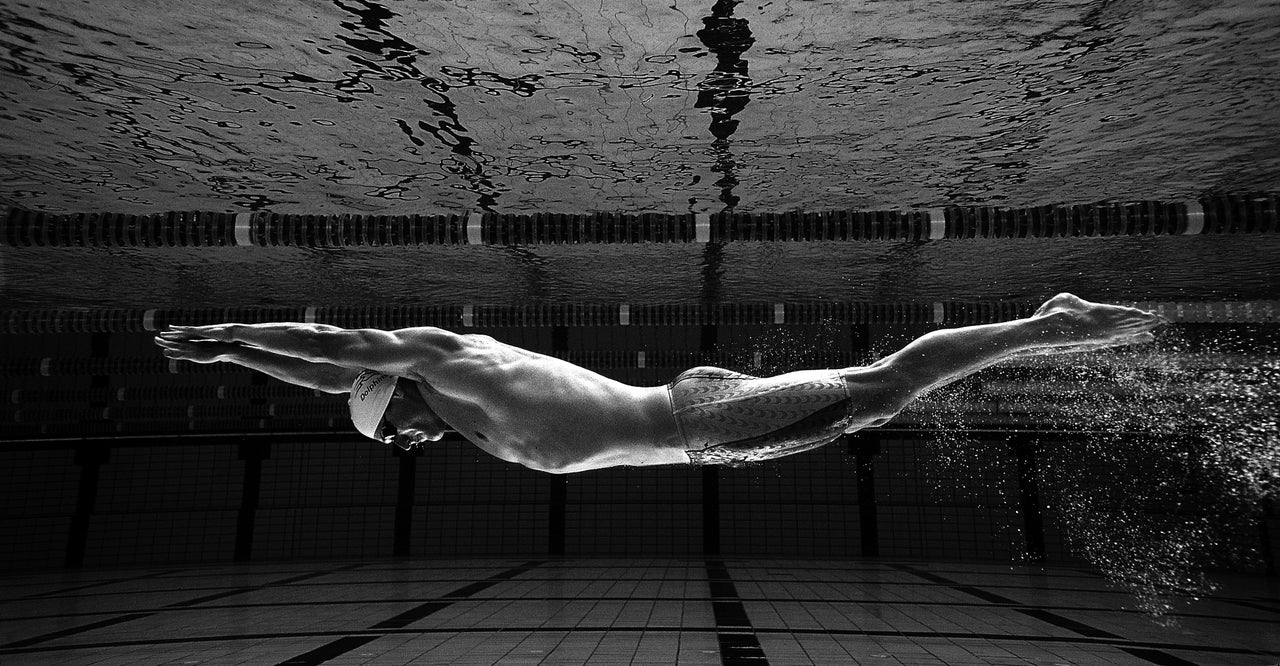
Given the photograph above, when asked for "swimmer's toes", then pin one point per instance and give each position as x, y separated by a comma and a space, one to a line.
1152, 321
1141, 314
1139, 320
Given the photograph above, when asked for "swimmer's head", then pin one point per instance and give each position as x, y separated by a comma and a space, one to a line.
370, 395
390, 410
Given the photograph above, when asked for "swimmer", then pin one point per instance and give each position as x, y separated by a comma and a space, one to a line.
411, 385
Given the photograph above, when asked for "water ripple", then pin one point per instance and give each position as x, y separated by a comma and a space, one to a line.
358, 105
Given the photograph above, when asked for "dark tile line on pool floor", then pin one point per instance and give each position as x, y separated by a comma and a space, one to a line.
734, 631
672, 599
1123, 644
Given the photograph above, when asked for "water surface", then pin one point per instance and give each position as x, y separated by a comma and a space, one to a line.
439, 106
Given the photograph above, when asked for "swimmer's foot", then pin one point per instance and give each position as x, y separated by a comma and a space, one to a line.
1139, 339
1071, 321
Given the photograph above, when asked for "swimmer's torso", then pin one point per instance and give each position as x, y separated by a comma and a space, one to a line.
548, 414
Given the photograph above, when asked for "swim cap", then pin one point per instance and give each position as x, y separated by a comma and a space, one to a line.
370, 395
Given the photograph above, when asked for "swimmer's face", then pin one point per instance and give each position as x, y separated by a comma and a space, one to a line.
408, 422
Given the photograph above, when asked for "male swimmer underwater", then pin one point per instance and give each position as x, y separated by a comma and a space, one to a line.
410, 385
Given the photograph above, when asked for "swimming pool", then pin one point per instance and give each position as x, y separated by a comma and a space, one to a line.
169, 135
360, 107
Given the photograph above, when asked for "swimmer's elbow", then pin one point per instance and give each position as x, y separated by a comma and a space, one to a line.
547, 466
550, 462
366, 348
313, 342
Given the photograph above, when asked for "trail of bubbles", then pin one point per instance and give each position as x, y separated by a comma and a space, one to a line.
1180, 454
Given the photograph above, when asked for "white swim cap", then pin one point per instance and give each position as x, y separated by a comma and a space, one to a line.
370, 395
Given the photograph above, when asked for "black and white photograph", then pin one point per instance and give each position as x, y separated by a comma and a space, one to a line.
640, 332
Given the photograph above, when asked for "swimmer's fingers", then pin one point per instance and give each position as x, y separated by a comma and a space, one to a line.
202, 351
193, 333
180, 336
172, 342
220, 332
175, 348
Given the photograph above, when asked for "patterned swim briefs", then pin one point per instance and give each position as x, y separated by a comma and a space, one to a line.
728, 418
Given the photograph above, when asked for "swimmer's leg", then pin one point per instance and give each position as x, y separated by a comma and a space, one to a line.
1063, 324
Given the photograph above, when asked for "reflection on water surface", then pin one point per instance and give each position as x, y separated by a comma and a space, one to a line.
355, 105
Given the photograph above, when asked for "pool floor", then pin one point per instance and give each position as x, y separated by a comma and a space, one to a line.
615, 611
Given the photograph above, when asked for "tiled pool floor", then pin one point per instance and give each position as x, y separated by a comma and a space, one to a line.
616, 611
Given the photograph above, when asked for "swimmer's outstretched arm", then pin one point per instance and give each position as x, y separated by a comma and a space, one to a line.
320, 376
396, 352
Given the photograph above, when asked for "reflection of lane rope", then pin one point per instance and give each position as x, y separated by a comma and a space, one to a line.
1206, 216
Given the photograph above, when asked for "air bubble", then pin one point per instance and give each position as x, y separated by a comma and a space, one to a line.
1173, 451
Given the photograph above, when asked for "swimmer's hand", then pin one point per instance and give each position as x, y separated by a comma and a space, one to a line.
218, 332
196, 350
